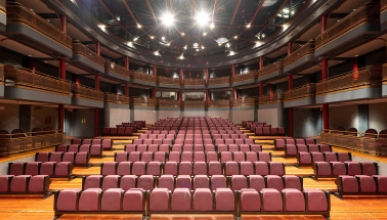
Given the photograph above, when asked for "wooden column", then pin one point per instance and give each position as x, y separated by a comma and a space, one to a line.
324, 75
290, 86
62, 75
97, 87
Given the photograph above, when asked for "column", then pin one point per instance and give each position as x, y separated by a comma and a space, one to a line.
97, 87
127, 63
232, 73
290, 86
62, 75
207, 99
181, 77
324, 75
260, 62
355, 69
207, 77
127, 84
155, 72
260, 89
181, 98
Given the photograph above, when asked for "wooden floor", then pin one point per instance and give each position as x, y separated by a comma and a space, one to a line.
361, 207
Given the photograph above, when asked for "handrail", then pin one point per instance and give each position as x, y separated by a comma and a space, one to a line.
384, 74
271, 99
366, 13
115, 68
168, 80
142, 76
250, 101
194, 103
81, 49
219, 80
2, 5
306, 49
383, 5
194, 81
116, 98
219, 103
31, 134
137, 101
168, 103
244, 77
1, 73
26, 77
308, 90
358, 134
86, 92
276, 66
365, 76
17, 13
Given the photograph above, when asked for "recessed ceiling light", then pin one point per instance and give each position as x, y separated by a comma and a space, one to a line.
285, 10
205, 34
130, 44
248, 25
228, 45
185, 47
30, 55
168, 44
232, 53
162, 38
156, 53
285, 26
135, 39
203, 47
212, 25
219, 45
102, 26
167, 19
152, 37
195, 45
356, 55
235, 37
182, 33
139, 26
202, 18
258, 43
181, 57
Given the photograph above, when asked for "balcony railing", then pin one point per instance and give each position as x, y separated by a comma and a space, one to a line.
271, 99
168, 80
385, 72
366, 76
305, 91
219, 103
2, 6
81, 49
383, 5
307, 49
17, 76
194, 104
142, 76
244, 77
116, 98
250, 101
117, 69
274, 67
168, 103
194, 82
1, 73
136, 101
220, 80
86, 92
17, 13
365, 14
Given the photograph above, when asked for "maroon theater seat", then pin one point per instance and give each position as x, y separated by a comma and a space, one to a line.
166, 181
224, 200
271, 200
92, 181
202, 200
294, 200
89, 200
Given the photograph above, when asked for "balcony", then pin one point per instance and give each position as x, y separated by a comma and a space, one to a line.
89, 97
142, 78
355, 29
362, 84
301, 58
301, 96
32, 30
87, 59
244, 102
1, 80
241, 79
24, 84
141, 102
219, 82
194, 104
115, 71
3, 14
383, 14
167, 103
223, 103
272, 100
194, 82
271, 71
116, 99
384, 80
168, 82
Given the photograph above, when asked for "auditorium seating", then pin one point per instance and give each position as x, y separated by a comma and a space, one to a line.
95, 150
105, 143
308, 158
25, 185
291, 145
51, 169
361, 185
269, 131
198, 201
334, 169
76, 158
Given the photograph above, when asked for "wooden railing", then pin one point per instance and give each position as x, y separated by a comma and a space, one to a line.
383, 5
194, 104
136, 101
18, 76
305, 91
142, 76
365, 14
194, 82
244, 77
223, 103
366, 76
220, 80
86, 92
17, 13
81, 49
117, 69
385, 72
250, 101
274, 67
1, 73
2, 6
116, 98
168, 80
166, 103
306, 49
271, 99
29, 142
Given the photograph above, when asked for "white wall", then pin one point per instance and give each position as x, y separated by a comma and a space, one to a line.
223, 113
272, 116
307, 122
42, 117
147, 115
9, 117
115, 115
239, 115
343, 116
378, 116
163, 113
193, 112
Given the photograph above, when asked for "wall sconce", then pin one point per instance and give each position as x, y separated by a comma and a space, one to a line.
83, 120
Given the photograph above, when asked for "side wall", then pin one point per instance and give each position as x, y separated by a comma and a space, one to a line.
272, 116
9, 117
116, 114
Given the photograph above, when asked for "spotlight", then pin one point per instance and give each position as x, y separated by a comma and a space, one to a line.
248, 25
235, 37
162, 38
152, 37
182, 33
202, 18
139, 26
205, 34
212, 25
167, 19
185, 47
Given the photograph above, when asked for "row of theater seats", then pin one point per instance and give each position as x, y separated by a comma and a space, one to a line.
280, 143
156, 168
120, 131
148, 132
95, 150
269, 131
153, 141
51, 169
306, 158
25, 184
178, 156
105, 143
334, 169
192, 147
235, 182
292, 150
76, 158
157, 136
198, 201
361, 185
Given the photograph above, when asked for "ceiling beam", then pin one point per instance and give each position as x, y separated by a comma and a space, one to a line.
233, 16
152, 12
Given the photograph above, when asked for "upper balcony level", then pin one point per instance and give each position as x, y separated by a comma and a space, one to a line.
271, 100
300, 96
248, 78
221, 103
364, 83
383, 14
142, 78
194, 104
384, 80
115, 71
194, 83
244, 102
88, 97
1, 80
30, 29
301, 58
355, 29
271, 71
219, 82
168, 82
168, 103
112, 98
3, 14
87, 59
